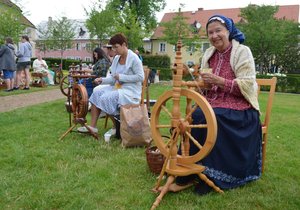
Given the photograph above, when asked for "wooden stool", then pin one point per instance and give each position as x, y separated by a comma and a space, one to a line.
38, 79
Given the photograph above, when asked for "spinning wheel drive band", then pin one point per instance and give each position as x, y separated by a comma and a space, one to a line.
65, 86
79, 101
161, 125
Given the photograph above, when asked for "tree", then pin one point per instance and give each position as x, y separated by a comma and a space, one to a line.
100, 22
178, 28
10, 24
44, 42
62, 35
269, 38
135, 18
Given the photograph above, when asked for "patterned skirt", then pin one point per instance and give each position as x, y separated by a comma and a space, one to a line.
106, 99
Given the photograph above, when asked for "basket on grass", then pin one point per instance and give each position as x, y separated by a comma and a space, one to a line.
155, 159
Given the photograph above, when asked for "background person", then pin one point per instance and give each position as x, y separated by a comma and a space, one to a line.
236, 157
39, 65
24, 55
125, 83
8, 63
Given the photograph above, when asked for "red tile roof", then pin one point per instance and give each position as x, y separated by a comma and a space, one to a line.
289, 12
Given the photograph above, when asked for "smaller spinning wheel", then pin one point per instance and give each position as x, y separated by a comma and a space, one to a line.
79, 101
66, 86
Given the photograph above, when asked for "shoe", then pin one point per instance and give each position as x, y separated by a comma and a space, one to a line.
9, 90
85, 130
16, 88
26, 88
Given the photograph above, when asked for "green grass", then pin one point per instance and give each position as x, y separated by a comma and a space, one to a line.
40, 172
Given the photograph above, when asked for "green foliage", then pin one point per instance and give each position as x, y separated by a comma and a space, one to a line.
157, 61
272, 41
178, 28
10, 24
136, 19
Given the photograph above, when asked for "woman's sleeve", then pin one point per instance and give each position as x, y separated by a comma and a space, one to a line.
138, 72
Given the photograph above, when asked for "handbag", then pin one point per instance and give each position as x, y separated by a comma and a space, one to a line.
135, 125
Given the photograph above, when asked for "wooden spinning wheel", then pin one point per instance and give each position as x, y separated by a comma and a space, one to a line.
166, 117
66, 86
79, 97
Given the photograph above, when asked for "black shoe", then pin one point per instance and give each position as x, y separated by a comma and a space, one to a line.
16, 88
202, 188
9, 90
26, 88
184, 180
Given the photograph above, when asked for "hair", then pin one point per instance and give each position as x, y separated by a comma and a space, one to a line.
119, 38
25, 37
9, 40
101, 54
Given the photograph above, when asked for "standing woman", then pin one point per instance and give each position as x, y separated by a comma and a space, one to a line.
7, 63
101, 64
124, 83
236, 157
24, 55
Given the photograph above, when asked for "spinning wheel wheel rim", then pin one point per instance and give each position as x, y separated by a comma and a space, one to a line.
210, 119
64, 85
79, 101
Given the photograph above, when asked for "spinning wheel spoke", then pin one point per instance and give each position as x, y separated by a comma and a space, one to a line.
194, 140
198, 126
167, 111
191, 112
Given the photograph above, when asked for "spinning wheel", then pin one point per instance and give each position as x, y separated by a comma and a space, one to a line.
79, 101
79, 98
166, 117
66, 86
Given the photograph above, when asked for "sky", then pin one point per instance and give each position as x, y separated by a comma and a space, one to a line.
39, 10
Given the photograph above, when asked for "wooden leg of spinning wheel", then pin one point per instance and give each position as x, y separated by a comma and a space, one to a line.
164, 190
210, 183
95, 135
68, 131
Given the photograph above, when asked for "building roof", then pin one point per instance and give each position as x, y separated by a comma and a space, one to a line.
24, 20
288, 12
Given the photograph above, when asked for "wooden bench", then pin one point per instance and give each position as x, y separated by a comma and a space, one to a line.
38, 79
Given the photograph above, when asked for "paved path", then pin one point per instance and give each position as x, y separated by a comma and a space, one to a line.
9, 103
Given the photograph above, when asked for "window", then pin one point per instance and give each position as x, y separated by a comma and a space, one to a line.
88, 59
162, 47
205, 46
77, 46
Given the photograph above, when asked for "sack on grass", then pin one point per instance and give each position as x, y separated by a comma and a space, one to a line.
135, 125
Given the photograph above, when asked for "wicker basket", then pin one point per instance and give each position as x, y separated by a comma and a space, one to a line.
155, 159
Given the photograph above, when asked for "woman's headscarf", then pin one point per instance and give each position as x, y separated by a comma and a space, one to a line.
234, 33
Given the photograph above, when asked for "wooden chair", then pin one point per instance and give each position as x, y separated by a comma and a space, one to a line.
270, 84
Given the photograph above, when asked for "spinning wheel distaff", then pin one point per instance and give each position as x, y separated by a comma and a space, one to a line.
167, 116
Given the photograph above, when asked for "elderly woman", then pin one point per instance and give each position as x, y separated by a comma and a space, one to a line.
125, 83
39, 65
236, 157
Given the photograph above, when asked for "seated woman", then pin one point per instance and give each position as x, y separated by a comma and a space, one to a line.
125, 83
236, 157
40, 66
101, 64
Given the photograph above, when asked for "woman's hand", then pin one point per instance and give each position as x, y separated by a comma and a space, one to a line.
116, 76
98, 81
212, 79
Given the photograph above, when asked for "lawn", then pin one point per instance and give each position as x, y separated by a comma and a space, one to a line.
40, 172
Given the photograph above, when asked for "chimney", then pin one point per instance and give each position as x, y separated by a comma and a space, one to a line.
49, 19
200, 9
